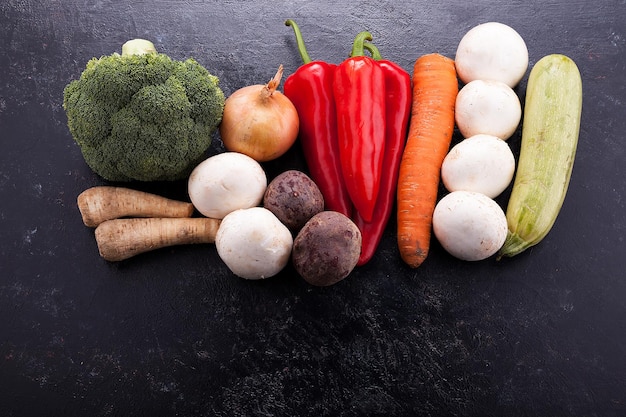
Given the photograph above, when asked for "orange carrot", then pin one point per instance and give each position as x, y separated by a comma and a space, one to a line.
435, 87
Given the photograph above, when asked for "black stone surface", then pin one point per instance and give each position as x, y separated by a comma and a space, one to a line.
172, 332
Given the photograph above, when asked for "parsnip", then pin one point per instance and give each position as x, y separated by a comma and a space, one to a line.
120, 239
549, 139
101, 203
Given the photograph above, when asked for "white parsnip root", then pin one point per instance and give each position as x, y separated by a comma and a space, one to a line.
101, 203
120, 239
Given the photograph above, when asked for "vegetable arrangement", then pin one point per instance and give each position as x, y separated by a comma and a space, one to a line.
373, 136
129, 222
468, 223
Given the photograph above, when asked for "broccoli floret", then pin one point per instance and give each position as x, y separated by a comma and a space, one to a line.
142, 115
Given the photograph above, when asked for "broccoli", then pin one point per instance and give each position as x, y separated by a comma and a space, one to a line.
142, 115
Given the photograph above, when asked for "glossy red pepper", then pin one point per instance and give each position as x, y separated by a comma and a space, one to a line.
372, 97
310, 89
398, 109
360, 99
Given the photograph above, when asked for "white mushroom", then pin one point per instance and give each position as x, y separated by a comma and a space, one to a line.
226, 182
481, 163
469, 225
492, 51
253, 243
487, 107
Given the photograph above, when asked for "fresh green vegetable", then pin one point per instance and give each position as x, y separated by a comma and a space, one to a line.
549, 139
142, 115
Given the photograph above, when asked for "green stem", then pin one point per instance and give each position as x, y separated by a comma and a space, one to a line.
358, 48
301, 47
513, 245
372, 49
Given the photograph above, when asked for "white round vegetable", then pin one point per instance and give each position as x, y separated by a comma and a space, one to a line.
226, 182
488, 107
469, 225
253, 243
481, 163
492, 51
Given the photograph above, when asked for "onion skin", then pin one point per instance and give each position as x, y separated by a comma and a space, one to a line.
260, 121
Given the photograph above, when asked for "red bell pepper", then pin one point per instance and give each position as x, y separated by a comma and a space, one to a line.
310, 89
353, 125
360, 99
398, 109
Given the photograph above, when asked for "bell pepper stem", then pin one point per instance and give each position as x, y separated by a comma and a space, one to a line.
299, 40
358, 48
372, 49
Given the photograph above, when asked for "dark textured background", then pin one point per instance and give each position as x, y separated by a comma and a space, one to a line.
174, 333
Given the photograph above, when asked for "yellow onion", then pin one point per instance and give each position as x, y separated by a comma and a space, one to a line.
260, 121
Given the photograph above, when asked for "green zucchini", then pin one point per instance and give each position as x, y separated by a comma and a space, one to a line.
550, 130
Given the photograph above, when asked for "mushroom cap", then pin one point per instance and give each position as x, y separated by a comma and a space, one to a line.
226, 182
253, 243
481, 163
492, 51
489, 107
469, 225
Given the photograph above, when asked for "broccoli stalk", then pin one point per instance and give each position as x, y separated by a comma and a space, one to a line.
142, 115
138, 47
